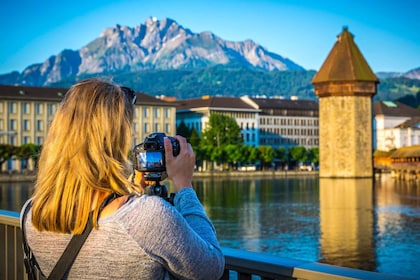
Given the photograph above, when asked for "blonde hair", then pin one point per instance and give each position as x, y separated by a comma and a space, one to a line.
85, 153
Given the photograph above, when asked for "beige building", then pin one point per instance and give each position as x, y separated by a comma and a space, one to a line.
25, 113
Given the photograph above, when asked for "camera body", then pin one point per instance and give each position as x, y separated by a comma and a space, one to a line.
150, 155
150, 159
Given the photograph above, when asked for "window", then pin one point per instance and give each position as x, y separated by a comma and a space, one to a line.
39, 125
12, 125
26, 125
167, 128
167, 114
145, 112
38, 109
146, 128
26, 140
156, 112
51, 109
39, 140
12, 107
26, 108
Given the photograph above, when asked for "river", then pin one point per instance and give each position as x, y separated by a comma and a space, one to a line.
360, 223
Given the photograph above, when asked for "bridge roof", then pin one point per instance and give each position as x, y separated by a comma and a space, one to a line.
406, 152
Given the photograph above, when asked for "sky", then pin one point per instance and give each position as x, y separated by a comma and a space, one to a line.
386, 31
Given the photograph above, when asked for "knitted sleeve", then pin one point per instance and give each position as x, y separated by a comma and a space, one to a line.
181, 237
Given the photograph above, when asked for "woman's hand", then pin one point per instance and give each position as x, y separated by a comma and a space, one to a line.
180, 169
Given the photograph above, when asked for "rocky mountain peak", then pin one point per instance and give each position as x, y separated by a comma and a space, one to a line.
155, 44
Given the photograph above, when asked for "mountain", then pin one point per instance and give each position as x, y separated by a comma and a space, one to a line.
154, 45
412, 74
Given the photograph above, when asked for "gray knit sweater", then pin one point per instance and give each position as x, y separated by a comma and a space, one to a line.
143, 239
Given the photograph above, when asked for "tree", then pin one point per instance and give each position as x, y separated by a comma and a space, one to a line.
265, 155
221, 131
183, 130
6, 152
28, 151
298, 154
314, 155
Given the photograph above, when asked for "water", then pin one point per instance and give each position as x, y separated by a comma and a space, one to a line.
364, 224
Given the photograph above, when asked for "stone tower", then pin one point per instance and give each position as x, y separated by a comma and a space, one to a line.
345, 85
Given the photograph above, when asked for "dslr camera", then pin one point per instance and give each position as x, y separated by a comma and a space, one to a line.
150, 159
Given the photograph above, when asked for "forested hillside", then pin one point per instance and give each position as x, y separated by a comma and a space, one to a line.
234, 81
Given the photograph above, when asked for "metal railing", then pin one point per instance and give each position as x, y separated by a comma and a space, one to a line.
240, 264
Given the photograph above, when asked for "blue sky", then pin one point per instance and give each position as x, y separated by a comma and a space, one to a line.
387, 32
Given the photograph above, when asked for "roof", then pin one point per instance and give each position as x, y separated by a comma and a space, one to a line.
411, 123
404, 152
395, 109
56, 95
32, 93
345, 63
273, 103
214, 102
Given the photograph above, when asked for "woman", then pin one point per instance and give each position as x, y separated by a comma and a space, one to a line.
84, 160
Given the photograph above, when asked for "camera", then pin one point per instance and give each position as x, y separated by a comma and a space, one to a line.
150, 159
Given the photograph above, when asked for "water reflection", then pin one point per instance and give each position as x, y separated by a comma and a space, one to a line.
371, 225
347, 222
264, 215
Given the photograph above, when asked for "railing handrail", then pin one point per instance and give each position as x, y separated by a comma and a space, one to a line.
240, 264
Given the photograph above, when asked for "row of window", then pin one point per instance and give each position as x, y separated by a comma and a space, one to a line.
289, 141
289, 121
289, 131
148, 128
12, 140
156, 112
26, 125
51, 108
26, 108
291, 112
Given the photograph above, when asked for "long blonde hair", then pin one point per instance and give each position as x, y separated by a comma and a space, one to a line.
85, 152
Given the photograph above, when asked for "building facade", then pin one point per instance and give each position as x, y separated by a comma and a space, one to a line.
263, 121
395, 125
26, 112
286, 123
195, 114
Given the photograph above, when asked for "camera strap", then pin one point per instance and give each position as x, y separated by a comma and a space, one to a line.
70, 253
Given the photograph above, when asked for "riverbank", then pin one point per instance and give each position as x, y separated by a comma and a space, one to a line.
15, 177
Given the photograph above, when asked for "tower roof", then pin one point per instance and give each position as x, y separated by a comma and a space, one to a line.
345, 63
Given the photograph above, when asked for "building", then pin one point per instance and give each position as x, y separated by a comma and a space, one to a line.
286, 122
25, 113
195, 114
345, 85
395, 125
263, 121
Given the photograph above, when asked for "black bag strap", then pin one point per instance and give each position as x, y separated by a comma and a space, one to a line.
72, 250
70, 253
31, 265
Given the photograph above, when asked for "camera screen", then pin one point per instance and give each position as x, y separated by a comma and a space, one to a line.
150, 160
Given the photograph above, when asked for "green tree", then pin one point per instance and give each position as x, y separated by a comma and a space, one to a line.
314, 155
221, 131
7, 151
265, 155
28, 151
183, 130
298, 154
194, 138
